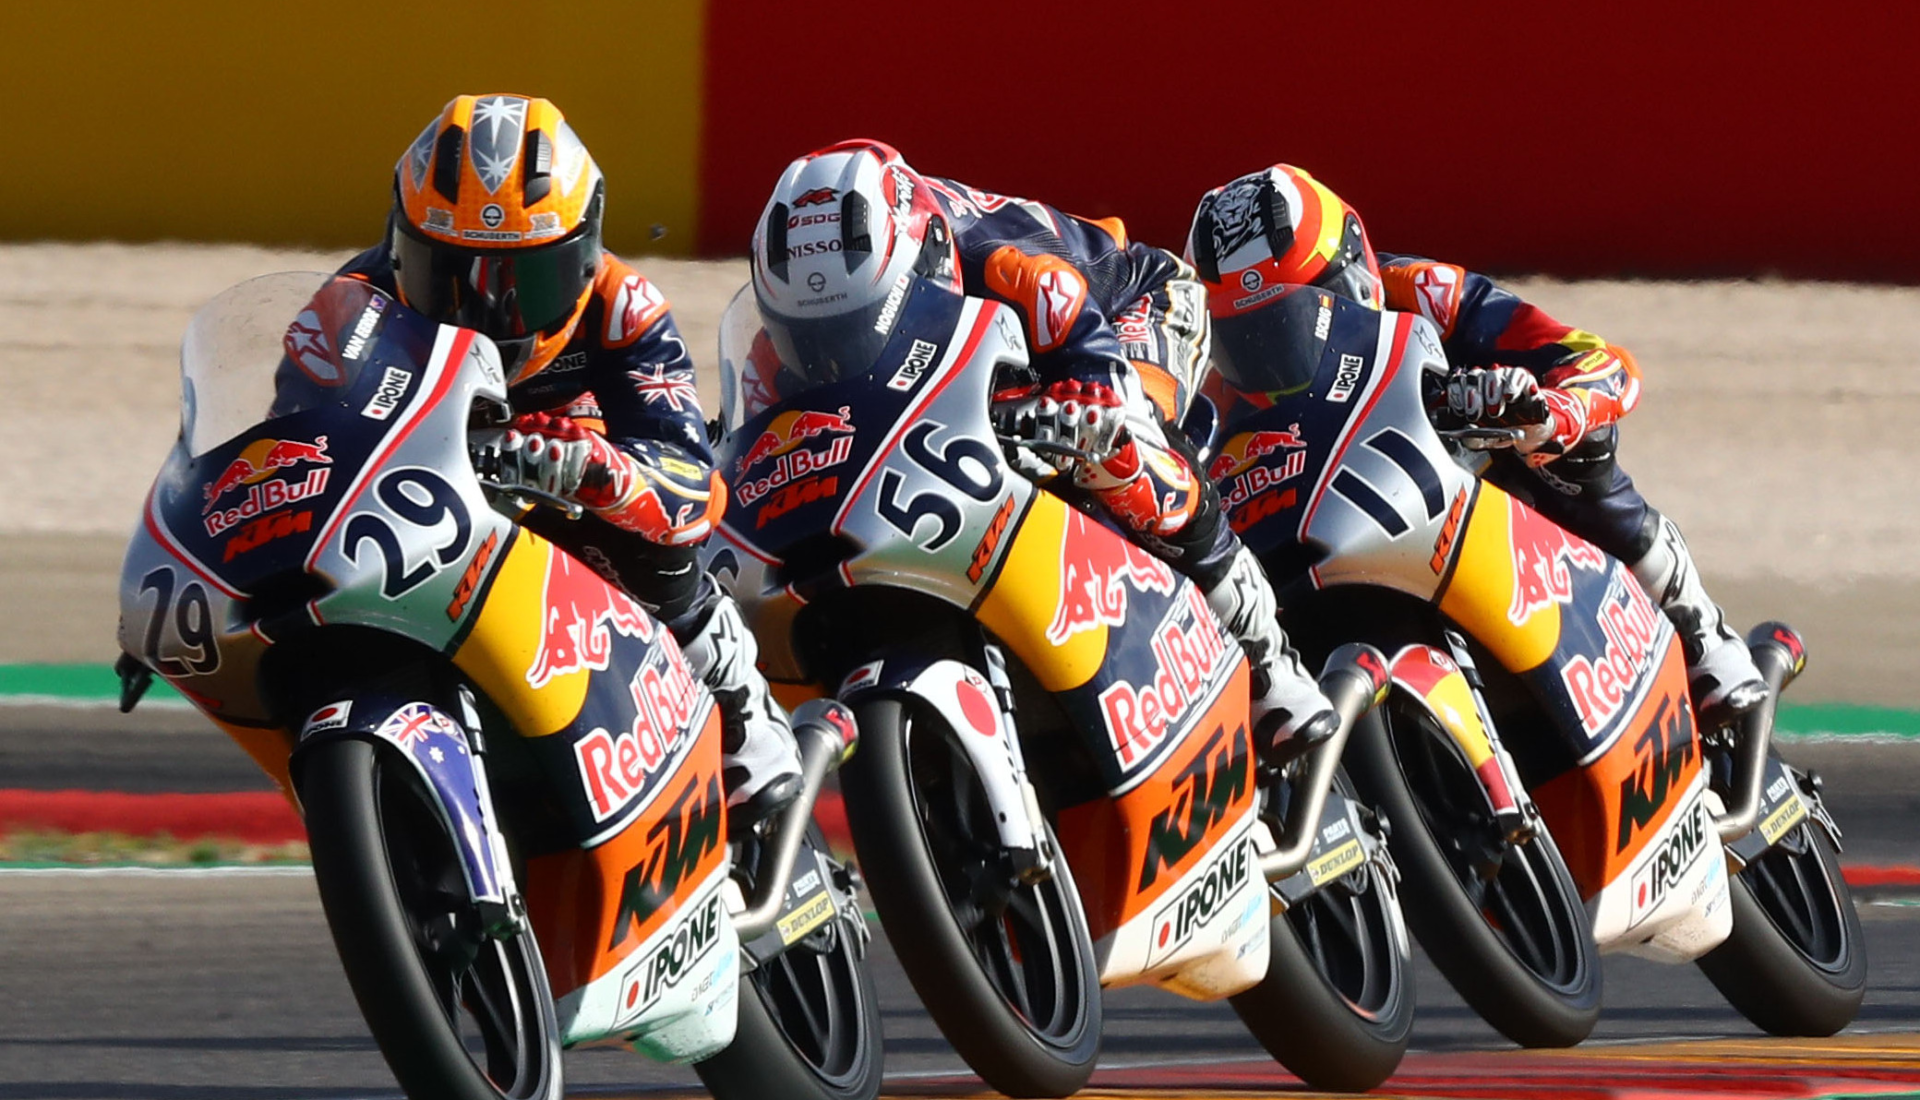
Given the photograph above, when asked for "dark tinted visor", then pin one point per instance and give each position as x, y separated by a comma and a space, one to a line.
1276, 347
827, 349
505, 293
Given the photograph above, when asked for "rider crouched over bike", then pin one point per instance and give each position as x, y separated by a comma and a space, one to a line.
1563, 389
496, 227
1119, 337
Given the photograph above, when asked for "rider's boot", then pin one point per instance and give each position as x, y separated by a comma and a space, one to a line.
759, 759
1724, 680
1290, 713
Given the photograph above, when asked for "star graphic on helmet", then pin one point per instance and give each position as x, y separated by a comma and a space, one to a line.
493, 170
498, 109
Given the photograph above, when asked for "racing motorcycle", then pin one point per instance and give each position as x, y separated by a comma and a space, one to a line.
1056, 790
1537, 752
510, 778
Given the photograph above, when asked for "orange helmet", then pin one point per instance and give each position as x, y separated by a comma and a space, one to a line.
1274, 228
496, 225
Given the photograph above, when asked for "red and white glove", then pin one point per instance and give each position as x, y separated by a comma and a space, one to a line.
1085, 416
561, 458
1550, 421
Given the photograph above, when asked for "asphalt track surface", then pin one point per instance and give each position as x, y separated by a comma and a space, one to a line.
117, 986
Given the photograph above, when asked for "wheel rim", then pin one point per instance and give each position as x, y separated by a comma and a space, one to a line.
1348, 932
1794, 888
1524, 903
817, 1001
488, 989
1022, 939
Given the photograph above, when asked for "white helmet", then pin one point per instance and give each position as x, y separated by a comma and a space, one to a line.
849, 231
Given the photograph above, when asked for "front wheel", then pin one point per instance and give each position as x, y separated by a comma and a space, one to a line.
1336, 1006
1006, 972
1504, 922
456, 1013
1795, 963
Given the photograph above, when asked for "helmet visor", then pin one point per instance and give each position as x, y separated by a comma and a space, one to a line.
505, 293
1275, 348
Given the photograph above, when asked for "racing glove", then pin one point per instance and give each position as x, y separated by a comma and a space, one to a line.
1550, 421
562, 458
1074, 421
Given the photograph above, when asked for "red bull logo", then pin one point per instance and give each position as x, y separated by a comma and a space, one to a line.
579, 610
258, 461
617, 768
1601, 687
789, 430
1248, 448
1186, 660
1097, 567
1542, 550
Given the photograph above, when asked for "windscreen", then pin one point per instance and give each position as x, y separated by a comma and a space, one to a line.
283, 343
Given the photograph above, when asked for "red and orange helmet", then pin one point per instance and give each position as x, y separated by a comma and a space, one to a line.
1274, 228
496, 225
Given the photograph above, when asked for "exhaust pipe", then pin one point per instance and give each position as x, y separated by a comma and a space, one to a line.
827, 735
1354, 681
1781, 656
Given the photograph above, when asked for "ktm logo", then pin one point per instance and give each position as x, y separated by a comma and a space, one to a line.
1207, 791
675, 846
1665, 749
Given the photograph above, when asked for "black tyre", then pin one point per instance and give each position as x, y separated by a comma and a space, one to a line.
809, 1025
1008, 975
1796, 962
456, 1013
1517, 945
1336, 1006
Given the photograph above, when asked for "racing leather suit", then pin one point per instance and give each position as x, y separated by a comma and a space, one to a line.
1583, 490
1098, 308
625, 373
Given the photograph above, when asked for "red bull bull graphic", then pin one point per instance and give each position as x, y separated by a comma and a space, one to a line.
1542, 551
790, 429
259, 459
781, 442
252, 468
1247, 448
580, 611
1187, 660
1096, 568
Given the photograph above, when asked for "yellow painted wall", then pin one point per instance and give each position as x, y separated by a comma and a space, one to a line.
276, 122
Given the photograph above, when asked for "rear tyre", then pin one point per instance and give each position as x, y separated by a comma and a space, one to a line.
1008, 975
809, 1026
1336, 1006
1796, 962
456, 1013
1518, 946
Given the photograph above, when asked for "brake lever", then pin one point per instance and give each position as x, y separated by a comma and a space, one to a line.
1045, 446
1480, 438
527, 498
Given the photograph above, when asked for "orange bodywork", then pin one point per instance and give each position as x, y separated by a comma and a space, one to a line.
1603, 814
1127, 850
592, 907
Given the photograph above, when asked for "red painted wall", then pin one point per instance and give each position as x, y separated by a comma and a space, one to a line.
1581, 138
